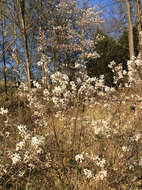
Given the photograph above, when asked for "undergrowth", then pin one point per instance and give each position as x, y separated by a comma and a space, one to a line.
95, 148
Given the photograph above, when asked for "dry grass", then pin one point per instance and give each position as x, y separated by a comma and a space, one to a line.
73, 133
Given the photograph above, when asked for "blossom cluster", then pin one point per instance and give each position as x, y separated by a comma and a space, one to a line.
100, 175
104, 127
3, 111
64, 89
27, 150
126, 78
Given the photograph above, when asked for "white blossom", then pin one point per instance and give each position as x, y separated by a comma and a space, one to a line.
125, 148
140, 162
101, 175
46, 92
37, 141
137, 136
79, 157
27, 156
87, 173
20, 145
3, 111
15, 158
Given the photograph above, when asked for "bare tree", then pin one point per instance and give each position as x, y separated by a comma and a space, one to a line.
130, 29
3, 47
21, 4
139, 28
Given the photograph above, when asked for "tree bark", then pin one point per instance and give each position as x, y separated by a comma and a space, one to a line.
25, 41
17, 60
4, 59
130, 29
139, 28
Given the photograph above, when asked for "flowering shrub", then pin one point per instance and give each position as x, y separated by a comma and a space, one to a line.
27, 151
127, 78
73, 149
62, 91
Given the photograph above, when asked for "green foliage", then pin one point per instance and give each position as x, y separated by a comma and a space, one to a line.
109, 49
106, 49
122, 49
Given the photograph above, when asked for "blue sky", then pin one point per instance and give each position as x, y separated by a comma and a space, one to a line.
109, 10
103, 5
99, 2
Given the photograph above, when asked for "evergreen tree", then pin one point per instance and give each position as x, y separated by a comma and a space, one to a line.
110, 50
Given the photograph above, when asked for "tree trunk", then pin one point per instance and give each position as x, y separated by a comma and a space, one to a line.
17, 60
139, 28
4, 59
130, 32
22, 18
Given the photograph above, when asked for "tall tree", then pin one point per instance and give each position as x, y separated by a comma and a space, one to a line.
130, 29
139, 28
4, 56
21, 4
3, 38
